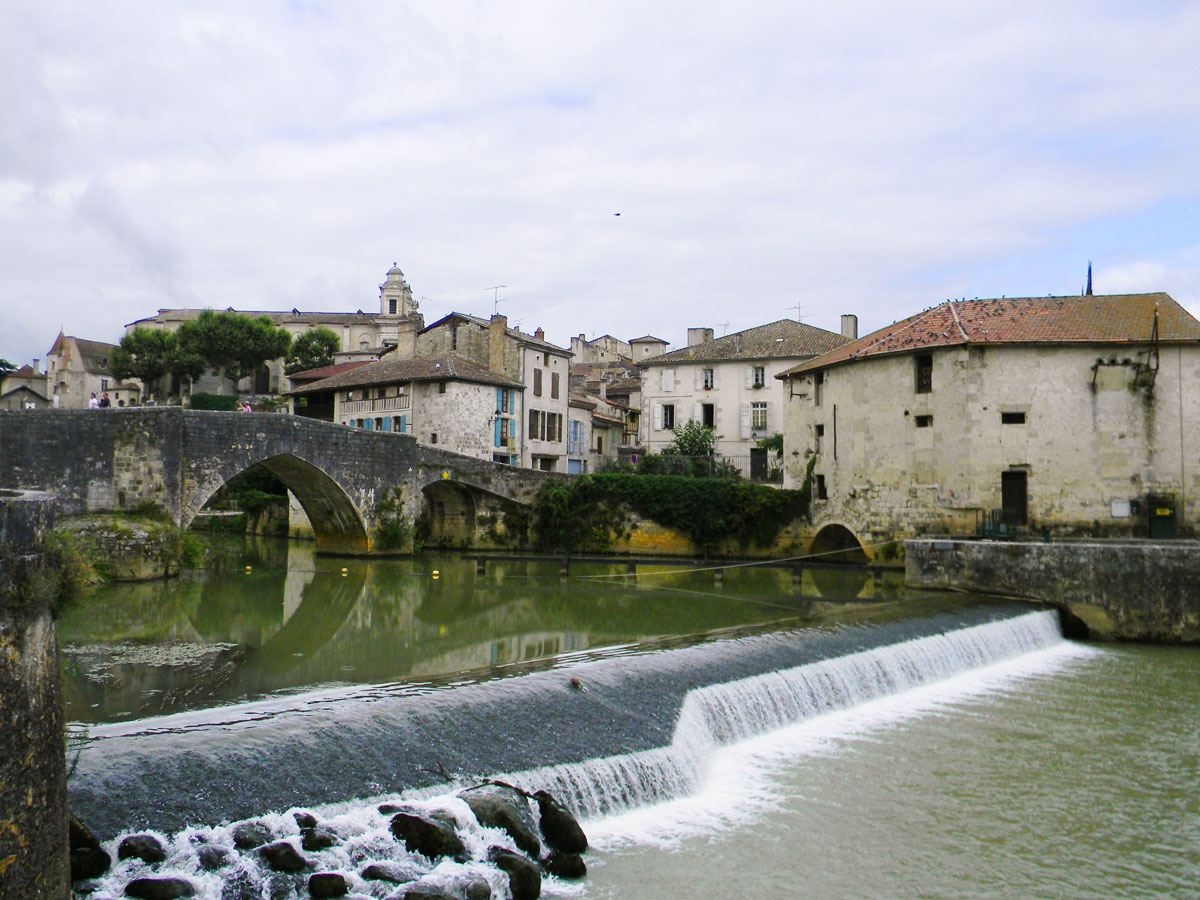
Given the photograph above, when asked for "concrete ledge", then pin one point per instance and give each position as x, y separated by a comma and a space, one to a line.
1107, 590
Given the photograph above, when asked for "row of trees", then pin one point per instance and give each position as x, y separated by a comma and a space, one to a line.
229, 343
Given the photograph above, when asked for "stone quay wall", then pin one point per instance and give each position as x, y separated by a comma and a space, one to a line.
33, 782
1107, 590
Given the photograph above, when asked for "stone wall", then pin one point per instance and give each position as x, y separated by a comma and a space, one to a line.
1109, 590
33, 789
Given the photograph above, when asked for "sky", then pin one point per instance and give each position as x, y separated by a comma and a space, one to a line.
627, 168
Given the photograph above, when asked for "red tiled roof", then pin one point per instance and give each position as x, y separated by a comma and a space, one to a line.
328, 371
442, 368
776, 340
1108, 319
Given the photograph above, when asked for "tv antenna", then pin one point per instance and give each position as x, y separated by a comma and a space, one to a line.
496, 301
799, 308
724, 327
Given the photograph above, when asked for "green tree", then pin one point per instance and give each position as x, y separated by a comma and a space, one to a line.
312, 350
6, 366
144, 354
232, 343
693, 439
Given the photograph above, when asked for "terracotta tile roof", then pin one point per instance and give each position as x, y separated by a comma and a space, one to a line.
778, 340
1102, 319
444, 368
648, 337
515, 333
309, 375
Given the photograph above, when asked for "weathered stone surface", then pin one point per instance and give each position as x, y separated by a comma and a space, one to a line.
314, 839
504, 807
283, 857
88, 858
524, 878
327, 884
212, 858
565, 865
248, 835
476, 888
132, 550
424, 890
425, 836
145, 847
393, 873
160, 888
1115, 590
560, 829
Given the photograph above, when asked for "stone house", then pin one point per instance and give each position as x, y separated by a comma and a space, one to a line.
604, 349
24, 388
364, 335
540, 368
579, 433
619, 386
77, 368
1071, 414
728, 384
646, 346
444, 401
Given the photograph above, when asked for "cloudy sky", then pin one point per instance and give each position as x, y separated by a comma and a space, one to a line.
863, 157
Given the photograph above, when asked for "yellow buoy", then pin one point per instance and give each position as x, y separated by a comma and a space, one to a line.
248, 570
344, 570
435, 573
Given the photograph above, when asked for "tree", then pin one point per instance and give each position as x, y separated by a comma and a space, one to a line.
144, 354
232, 343
692, 439
313, 350
6, 366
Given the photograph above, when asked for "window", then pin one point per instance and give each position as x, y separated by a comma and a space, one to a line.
534, 416
924, 370
820, 431
599, 443
441, 387
537, 382
760, 376
822, 494
758, 415
553, 385
708, 415
392, 306
379, 423
924, 421
433, 437
104, 384
818, 383
1012, 418
707, 379
505, 399
668, 413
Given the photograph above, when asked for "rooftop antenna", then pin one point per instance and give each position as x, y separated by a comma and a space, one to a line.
724, 327
1088, 292
496, 301
799, 308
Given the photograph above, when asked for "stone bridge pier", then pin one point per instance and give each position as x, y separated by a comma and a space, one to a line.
349, 481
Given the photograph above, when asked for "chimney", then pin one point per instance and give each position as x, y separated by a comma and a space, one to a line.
850, 326
699, 336
497, 332
539, 334
35, 362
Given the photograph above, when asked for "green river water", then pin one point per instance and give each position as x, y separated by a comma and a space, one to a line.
1070, 772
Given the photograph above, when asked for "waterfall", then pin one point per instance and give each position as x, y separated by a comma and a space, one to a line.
728, 712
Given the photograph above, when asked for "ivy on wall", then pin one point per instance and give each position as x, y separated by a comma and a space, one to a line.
588, 513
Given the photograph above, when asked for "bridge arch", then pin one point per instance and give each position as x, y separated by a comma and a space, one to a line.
834, 542
336, 521
449, 512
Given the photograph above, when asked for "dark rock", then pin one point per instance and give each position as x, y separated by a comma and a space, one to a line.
423, 890
504, 807
565, 865
393, 873
317, 839
282, 887
305, 819
160, 888
212, 858
145, 847
88, 858
248, 835
524, 879
390, 809
240, 886
283, 857
427, 837
560, 829
477, 888
327, 884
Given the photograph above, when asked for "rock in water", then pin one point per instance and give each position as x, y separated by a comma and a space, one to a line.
248, 835
145, 847
565, 865
212, 858
283, 857
504, 807
327, 884
427, 837
317, 839
159, 888
559, 827
305, 819
524, 879
88, 859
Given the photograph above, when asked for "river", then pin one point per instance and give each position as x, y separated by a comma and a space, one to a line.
1058, 770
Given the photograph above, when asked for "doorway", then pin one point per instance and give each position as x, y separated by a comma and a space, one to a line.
1014, 496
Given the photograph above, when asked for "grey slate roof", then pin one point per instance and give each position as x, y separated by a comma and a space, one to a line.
444, 368
785, 339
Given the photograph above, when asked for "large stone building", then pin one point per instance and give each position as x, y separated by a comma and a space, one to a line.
77, 368
24, 388
1072, 414
363, 335
728, 384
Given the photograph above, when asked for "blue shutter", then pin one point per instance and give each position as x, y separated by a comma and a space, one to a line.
369, 424
497, 428
404, 424
387, 423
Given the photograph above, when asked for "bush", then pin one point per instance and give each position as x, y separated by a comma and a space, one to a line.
222, 402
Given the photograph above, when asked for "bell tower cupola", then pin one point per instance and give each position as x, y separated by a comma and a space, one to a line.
395, 296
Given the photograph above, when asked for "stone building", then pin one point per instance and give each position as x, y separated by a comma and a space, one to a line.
24, 388
728, 384
443, 401
1071, 414
76, 368
604, 349
646, 346
364, 335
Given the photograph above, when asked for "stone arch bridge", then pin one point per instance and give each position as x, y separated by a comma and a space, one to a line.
346, 479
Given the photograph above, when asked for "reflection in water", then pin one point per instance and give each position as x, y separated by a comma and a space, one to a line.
295, 621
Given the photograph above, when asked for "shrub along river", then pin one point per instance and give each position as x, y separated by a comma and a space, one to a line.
742, 738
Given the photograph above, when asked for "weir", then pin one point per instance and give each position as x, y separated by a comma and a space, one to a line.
630, 730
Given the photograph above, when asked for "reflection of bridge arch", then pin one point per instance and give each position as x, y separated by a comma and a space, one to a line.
835, 542
335, 519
